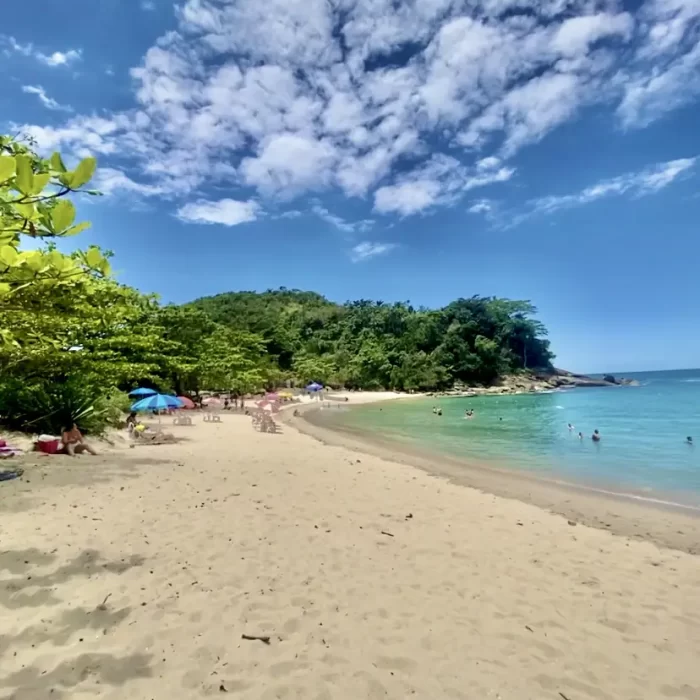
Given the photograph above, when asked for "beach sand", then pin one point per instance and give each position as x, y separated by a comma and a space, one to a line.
135, 574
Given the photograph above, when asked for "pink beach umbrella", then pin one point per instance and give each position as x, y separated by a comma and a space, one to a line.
212, 401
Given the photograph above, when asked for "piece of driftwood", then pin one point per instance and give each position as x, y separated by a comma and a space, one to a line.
256, 638
564, 696
388, 534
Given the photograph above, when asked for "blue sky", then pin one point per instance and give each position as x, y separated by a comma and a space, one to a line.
418, 150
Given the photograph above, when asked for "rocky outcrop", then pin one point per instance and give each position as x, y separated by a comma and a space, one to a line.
537, 382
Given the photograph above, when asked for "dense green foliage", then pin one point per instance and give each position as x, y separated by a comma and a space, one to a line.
372, 345
73, 340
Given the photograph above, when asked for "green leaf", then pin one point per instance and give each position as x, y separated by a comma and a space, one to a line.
62, 215
8, 167
25, 177
76, 229
57, 163
8, 254
83, 173
58, 260
4, 289
25, 209
66, 179
93, 257
35, 261
40, 181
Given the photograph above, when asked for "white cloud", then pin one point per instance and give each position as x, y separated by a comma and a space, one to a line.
227, 212
290, 163
112, 181
441, 181
644, 182
368, 249
481, 206
410, 105
47, 101
340, 223
148, 5
10, 46
59, 58
666, 72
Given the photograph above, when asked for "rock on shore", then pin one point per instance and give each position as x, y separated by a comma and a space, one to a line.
535, 382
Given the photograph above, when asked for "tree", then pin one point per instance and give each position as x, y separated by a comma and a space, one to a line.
34, 204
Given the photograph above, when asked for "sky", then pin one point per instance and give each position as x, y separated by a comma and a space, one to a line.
421, 150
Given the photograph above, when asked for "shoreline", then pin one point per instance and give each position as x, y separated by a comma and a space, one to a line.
623, 514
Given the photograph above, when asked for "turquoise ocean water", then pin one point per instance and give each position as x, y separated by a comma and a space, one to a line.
643, 428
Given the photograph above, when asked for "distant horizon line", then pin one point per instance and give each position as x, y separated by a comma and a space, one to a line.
622, 373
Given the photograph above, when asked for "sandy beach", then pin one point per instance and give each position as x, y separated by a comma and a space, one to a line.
136, 573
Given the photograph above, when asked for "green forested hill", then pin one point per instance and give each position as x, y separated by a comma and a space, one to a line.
373, 345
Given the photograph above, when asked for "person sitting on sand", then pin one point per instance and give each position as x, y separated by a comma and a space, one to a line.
74, 442
131, 421
596, 436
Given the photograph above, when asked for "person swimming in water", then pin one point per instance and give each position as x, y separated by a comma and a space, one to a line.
439, 411
580, 436
571, 427
689, 440
596, 436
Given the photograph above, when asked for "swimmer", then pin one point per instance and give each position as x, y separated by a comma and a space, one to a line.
596, 436
571, 427
439, 411
580, 436
689, 440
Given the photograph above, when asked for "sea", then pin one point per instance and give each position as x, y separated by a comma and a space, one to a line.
643, 451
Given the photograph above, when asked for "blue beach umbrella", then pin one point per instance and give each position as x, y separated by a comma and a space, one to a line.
157, 402
314, 386
142, 391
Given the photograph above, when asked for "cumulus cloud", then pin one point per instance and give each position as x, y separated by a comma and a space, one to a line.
410, 105
440, 181
47, 101
226, 212
368, 249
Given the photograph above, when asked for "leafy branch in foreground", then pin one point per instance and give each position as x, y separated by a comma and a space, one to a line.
34, 205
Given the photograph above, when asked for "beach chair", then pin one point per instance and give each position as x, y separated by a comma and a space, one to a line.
182, 420
212, 418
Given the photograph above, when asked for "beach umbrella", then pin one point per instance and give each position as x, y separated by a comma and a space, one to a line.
211, 401
157, 402
186, 402
142, 391
314, 386
272, 396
